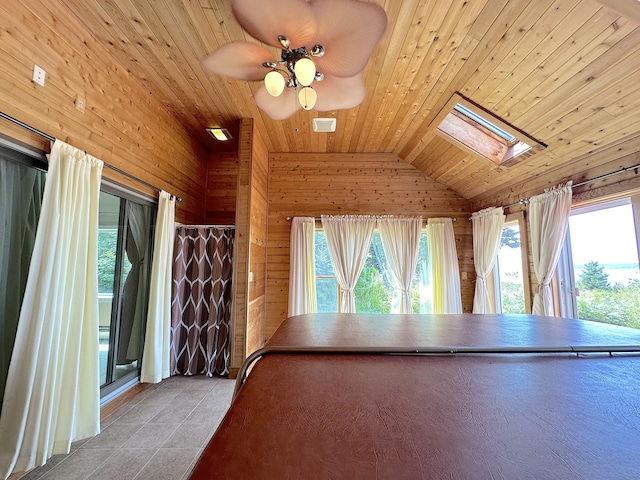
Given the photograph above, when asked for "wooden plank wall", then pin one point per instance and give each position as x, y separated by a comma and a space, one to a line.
222, 187
259, 235
315, 184
241, 248
249, 253
598, 163
122, 123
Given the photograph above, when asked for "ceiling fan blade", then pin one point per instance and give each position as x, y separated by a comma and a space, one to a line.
349, 31
339, 93
278, 108
241, 60
267, 19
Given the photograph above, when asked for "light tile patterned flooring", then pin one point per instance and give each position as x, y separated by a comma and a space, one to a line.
158, 435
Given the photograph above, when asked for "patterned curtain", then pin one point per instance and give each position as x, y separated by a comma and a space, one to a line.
201, 301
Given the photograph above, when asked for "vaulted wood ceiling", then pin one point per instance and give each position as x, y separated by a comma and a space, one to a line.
565, 71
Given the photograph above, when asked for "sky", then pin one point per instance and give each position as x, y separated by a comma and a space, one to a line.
605, 236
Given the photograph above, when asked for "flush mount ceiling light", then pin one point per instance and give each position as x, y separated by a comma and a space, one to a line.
220, 134
324, 47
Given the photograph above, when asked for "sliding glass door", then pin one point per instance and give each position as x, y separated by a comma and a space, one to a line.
125, 239
599, 273
124, 259
22, 179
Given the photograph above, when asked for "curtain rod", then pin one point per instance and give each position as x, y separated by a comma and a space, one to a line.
181, 225
319, 219
53, 139
524, 201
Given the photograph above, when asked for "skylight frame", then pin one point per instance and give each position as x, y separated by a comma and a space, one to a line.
484, 122
483, 134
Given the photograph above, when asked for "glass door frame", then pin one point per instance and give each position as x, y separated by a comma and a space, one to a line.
564, 276
125, 197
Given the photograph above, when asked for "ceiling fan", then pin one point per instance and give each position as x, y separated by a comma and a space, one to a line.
324, 47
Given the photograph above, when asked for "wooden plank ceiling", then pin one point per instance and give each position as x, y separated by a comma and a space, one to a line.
564, 71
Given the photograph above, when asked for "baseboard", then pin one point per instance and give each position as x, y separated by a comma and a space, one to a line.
125, 397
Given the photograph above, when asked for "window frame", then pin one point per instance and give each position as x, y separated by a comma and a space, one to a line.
519, 218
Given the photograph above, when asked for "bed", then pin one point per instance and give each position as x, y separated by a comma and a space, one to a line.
466, 396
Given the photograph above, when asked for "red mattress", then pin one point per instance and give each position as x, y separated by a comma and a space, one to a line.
329, 416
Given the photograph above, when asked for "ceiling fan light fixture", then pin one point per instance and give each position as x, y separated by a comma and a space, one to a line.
274, 83
284, 41
305, 71
220, 134
349, 29
307, 98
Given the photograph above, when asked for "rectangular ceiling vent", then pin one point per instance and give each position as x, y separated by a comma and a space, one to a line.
324, 124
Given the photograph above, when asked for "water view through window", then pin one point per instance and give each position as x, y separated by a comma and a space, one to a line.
605, 265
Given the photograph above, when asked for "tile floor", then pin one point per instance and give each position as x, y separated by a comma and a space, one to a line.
158, 435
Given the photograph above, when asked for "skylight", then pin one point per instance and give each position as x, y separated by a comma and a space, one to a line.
485, 123
479, 132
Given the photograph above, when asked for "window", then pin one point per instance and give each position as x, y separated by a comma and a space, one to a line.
598, 271
125, 235
376, 290
482, 134
327, 288
511, 276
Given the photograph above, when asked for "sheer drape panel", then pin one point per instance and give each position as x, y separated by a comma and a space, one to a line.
21, 200
487, 230
348, 239
155, 357
400, 240
54, 376
445, 274
302, 272
549, 220
201, 301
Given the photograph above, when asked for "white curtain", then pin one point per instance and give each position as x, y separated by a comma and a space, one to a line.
400, 240
445, 274
302, 271
487, 230
155, 357
549, 219
53, 385
348, 240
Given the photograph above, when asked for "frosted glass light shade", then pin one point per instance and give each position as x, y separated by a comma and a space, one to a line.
305, 71
307, 98
274, 82
220, 134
